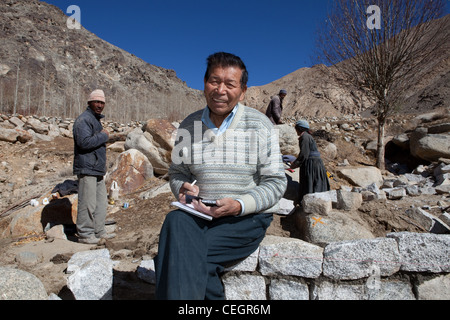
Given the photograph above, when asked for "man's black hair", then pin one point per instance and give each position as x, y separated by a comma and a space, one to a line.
223, 59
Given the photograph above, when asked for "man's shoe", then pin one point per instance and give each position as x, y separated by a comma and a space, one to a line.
91, 240
108, 236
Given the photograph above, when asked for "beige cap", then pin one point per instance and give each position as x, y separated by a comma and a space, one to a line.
97, 95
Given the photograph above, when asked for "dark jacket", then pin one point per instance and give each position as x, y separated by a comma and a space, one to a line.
313, 175
89, 145
274, 109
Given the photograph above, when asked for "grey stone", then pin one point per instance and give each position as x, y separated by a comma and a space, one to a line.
80, 258
333, 291
336, 226
435, 289
423, 252
244, 287
91, 275
348, 260
248, 264
290, 257
283, 289
16, 284
27, 258
92, 281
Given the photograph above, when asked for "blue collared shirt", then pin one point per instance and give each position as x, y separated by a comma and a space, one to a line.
225, 124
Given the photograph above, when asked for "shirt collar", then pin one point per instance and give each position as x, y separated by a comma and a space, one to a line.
225, 124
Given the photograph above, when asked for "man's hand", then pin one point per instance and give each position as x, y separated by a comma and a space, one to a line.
225, 207
187, 188
106, 131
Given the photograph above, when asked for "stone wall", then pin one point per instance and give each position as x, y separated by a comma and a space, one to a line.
401, 266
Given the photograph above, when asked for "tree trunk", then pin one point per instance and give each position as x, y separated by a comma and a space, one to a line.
380, 144
17, 87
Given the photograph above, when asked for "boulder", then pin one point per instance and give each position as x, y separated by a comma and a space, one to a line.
435, 289
37, 126
428, 221
31, 219
348, 200
423, 252
349, 260
163, 133
361, 176
159, 158
328, 149
244, 287
23, 135
288, 140
130, 170
336, 226
8, 135
283, 289
91, 275
290, 256
397, 290
17, 122
315, 205
16, 284
429, 147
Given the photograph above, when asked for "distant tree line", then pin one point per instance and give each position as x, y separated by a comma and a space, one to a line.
38, 93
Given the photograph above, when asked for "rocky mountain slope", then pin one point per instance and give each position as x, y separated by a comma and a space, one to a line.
32, 169
54, 68
48, 69
314, 92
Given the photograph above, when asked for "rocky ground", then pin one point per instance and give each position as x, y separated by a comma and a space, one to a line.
32, 169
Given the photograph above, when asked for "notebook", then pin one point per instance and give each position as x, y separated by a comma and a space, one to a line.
190, 209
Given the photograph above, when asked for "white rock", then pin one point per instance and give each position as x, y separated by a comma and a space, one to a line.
423, 252
290, 256
283, 289
349, 260
93, 280
244, 287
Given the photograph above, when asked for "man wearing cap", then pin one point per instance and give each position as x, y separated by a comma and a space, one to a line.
275, 107
90, 167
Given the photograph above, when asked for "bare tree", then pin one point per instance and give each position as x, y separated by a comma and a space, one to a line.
378, 45
17, 86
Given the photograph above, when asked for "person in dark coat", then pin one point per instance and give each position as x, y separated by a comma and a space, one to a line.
89, 166
275, 107
313, 175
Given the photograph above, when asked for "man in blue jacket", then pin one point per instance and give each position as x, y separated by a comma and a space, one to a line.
90, 167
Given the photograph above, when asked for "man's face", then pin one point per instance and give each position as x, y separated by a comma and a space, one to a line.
223, 90
96, 106
282, 96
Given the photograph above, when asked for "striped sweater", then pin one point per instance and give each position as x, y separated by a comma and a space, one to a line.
244, 163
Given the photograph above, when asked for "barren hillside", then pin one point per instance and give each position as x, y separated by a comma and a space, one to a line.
54, 68
314, 92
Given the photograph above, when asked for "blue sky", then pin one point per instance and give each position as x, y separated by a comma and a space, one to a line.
273, 37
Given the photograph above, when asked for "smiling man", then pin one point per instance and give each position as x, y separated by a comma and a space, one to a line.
234, 159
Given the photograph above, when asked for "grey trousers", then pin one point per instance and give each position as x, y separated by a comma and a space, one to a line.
193, 252
92, 204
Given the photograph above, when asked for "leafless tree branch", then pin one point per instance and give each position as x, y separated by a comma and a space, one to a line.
381, 59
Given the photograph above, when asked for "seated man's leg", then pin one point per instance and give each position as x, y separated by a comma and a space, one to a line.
181, 262
192, 253
231, 239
